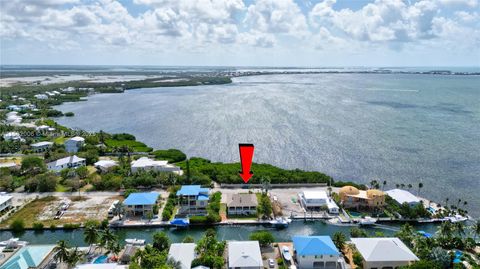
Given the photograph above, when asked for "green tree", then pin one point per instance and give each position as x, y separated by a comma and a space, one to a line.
476, 228
90, 235
17, 225
188, 239
420, 186
33, 165
339, 239
74, 256
357, 232
264, 208
422, 264
61, 251
82, 172
46, 182
265, 238
441, 257
161, 241
107, 238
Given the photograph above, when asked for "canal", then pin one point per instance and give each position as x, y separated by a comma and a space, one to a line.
239, 232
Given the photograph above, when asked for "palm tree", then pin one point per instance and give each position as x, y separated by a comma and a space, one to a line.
118, 210
265, 183
476, 228
402, 186
397, 186
114, 248
61, 251
384, 184
107, 238
420, 186
339, 239
90, 236
174, 264
74, 256
410, 186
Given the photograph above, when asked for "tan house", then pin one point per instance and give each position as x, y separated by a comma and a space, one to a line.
352, 197
242, 204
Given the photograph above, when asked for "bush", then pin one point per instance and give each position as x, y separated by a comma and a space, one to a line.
71, 226
17, 226
69, 114
198, 220
37, 226
171, 155
53, 227
265, 238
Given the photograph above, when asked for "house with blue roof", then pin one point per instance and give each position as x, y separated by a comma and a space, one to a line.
193, 200
140, 203
317, 252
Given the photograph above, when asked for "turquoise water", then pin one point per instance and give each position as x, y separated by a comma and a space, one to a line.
402, 128
28, 257
223, 232
100, 259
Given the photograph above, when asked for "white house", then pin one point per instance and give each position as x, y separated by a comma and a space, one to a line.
105, 165
9, 165
403, 196
317, 200
317, 252
12, 136
13, 108
383, 252
41, 146
41, 96
147, 164
5, 202
67, 162
244, 255
183, 253
14, 118
44, 128
74, 144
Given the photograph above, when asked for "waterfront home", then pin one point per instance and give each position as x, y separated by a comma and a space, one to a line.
44, 128
128, 253
41, 146
317, 200
41, 96
403, 196
147, 164
30, 257
12, 136
193, 200
5, 202
352, 197
184, 253
384, 252
105, 165
67, 162
244, 255
140, 203
74, 144
317, 252
242, 204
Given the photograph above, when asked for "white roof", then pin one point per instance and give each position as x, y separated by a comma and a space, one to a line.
314, 195
383, 249
403, 196
77, 138
183, 253
244, 254
145, 161
105, 163
4, 198
66, 160
41, 144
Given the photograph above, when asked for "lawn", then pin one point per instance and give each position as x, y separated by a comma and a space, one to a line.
59, 140
30, 212
135, 145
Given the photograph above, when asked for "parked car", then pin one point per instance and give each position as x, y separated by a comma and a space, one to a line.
271, 263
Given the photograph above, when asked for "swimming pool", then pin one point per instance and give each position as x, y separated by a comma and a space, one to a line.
101, 259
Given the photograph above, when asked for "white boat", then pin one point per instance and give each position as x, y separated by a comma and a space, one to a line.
367, 221
135, 241
280, 222
457, 218
286, 253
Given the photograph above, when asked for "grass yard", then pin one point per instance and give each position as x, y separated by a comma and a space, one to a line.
135, 145
30, 212
59, 140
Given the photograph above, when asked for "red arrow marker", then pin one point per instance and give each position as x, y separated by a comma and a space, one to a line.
246, 156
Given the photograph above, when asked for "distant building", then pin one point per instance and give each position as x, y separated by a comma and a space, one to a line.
9, 165
105, 165
147, 164
41, 146
27, 107
12, 136
242, 204
193, 200
403, 196
41, 96
67, 162
318, 200
183, 253
140, 203
5, 202
74, 144
317, 252
384, 252
44, 128
13, 108
244, 255
13, 118
352, 197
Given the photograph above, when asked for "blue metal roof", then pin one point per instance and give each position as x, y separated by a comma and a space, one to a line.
180, 222
189, 190
314, 245
141, 198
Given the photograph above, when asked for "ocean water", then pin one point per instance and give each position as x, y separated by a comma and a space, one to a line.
402, 128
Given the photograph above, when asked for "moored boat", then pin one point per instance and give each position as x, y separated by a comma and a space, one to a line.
281, 222
135, 241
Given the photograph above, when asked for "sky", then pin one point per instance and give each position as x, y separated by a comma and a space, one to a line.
241, 33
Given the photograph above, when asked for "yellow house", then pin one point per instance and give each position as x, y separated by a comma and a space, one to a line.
352, 197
